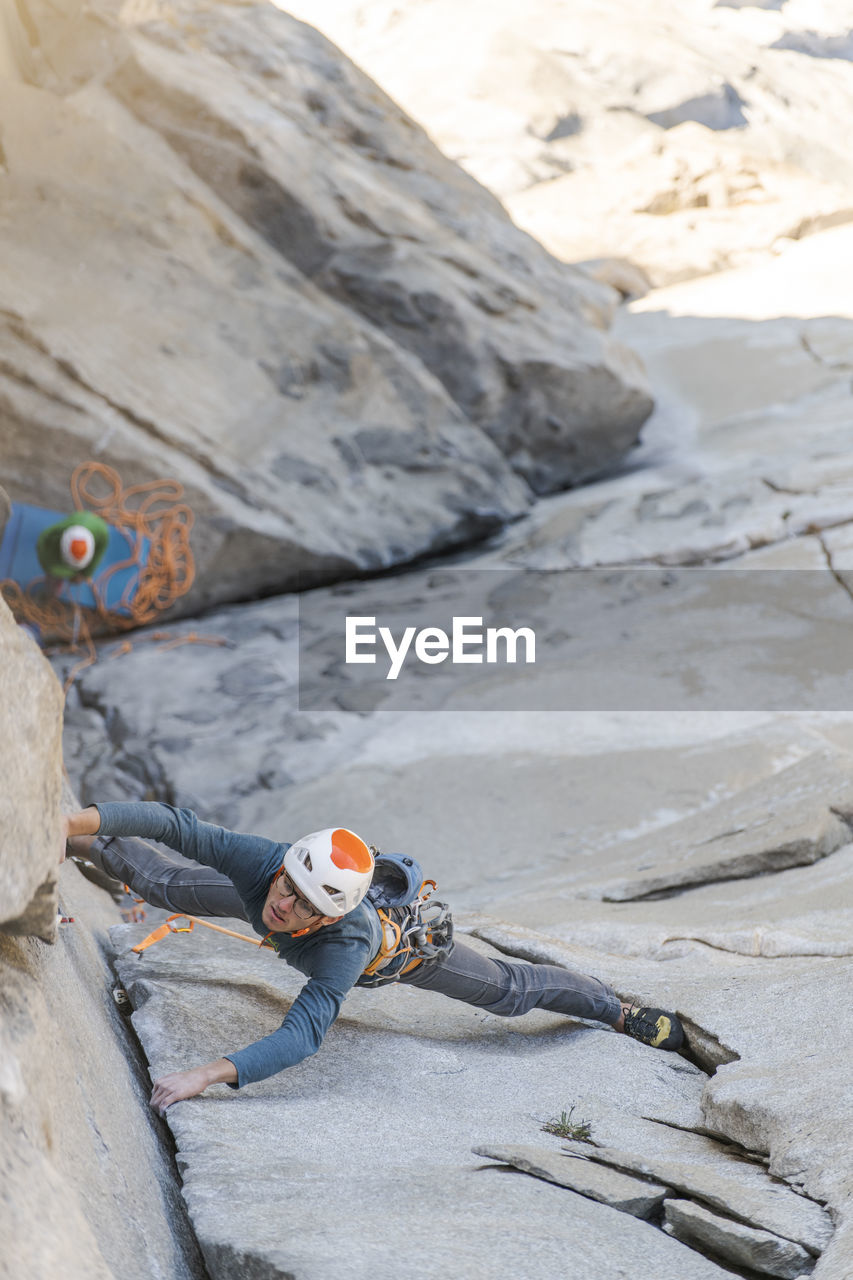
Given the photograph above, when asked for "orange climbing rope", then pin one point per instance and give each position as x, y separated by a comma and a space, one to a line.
168, 927
169, 571
152, 512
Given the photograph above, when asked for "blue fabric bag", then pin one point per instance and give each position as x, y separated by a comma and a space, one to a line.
396, 882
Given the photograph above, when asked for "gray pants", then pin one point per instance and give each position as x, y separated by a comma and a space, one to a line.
498, 986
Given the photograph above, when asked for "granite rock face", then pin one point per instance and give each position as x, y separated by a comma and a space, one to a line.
797, 817
87, 1184
341, 183
89, 1188
518, 816
768, 1094
745, 1193
31, 763
743, 1001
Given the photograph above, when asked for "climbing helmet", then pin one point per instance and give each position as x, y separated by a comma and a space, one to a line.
331, 868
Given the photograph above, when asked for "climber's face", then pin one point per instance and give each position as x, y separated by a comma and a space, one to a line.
286, 912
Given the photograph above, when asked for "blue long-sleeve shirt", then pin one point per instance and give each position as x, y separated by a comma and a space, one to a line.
333, 958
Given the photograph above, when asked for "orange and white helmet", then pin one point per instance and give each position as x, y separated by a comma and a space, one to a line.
77, 546
331, 868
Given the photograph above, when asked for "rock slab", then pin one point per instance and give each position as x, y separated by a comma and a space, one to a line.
302, 1138
745, 1192
794, 818
734, 1242
636, 1196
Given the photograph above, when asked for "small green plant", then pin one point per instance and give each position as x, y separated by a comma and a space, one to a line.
567, 1127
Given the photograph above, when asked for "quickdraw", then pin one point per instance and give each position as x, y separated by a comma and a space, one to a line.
423, 930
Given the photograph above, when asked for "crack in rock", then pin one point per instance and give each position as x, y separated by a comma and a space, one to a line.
625, 1192
836, 573
842, 366
708, 1051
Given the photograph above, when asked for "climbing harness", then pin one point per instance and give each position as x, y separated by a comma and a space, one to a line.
414, 927
420, 930
145, 526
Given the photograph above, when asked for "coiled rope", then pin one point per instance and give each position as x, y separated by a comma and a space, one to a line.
152, 512
169, 571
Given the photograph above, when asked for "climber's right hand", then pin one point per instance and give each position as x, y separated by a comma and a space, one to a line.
85, 822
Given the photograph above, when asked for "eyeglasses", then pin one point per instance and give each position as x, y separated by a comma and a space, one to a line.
301, 906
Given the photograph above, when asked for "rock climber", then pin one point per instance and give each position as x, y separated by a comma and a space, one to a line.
307, 900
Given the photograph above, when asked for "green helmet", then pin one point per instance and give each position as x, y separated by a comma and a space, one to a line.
73, 547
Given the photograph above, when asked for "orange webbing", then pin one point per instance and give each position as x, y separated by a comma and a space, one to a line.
152, 511
386, 952
169, 927
158, 933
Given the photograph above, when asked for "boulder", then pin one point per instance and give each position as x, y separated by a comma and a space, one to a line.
31, 765
247, 422
341, 183
284, 298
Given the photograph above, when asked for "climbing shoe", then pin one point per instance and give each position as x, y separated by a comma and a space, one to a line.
655, 1027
